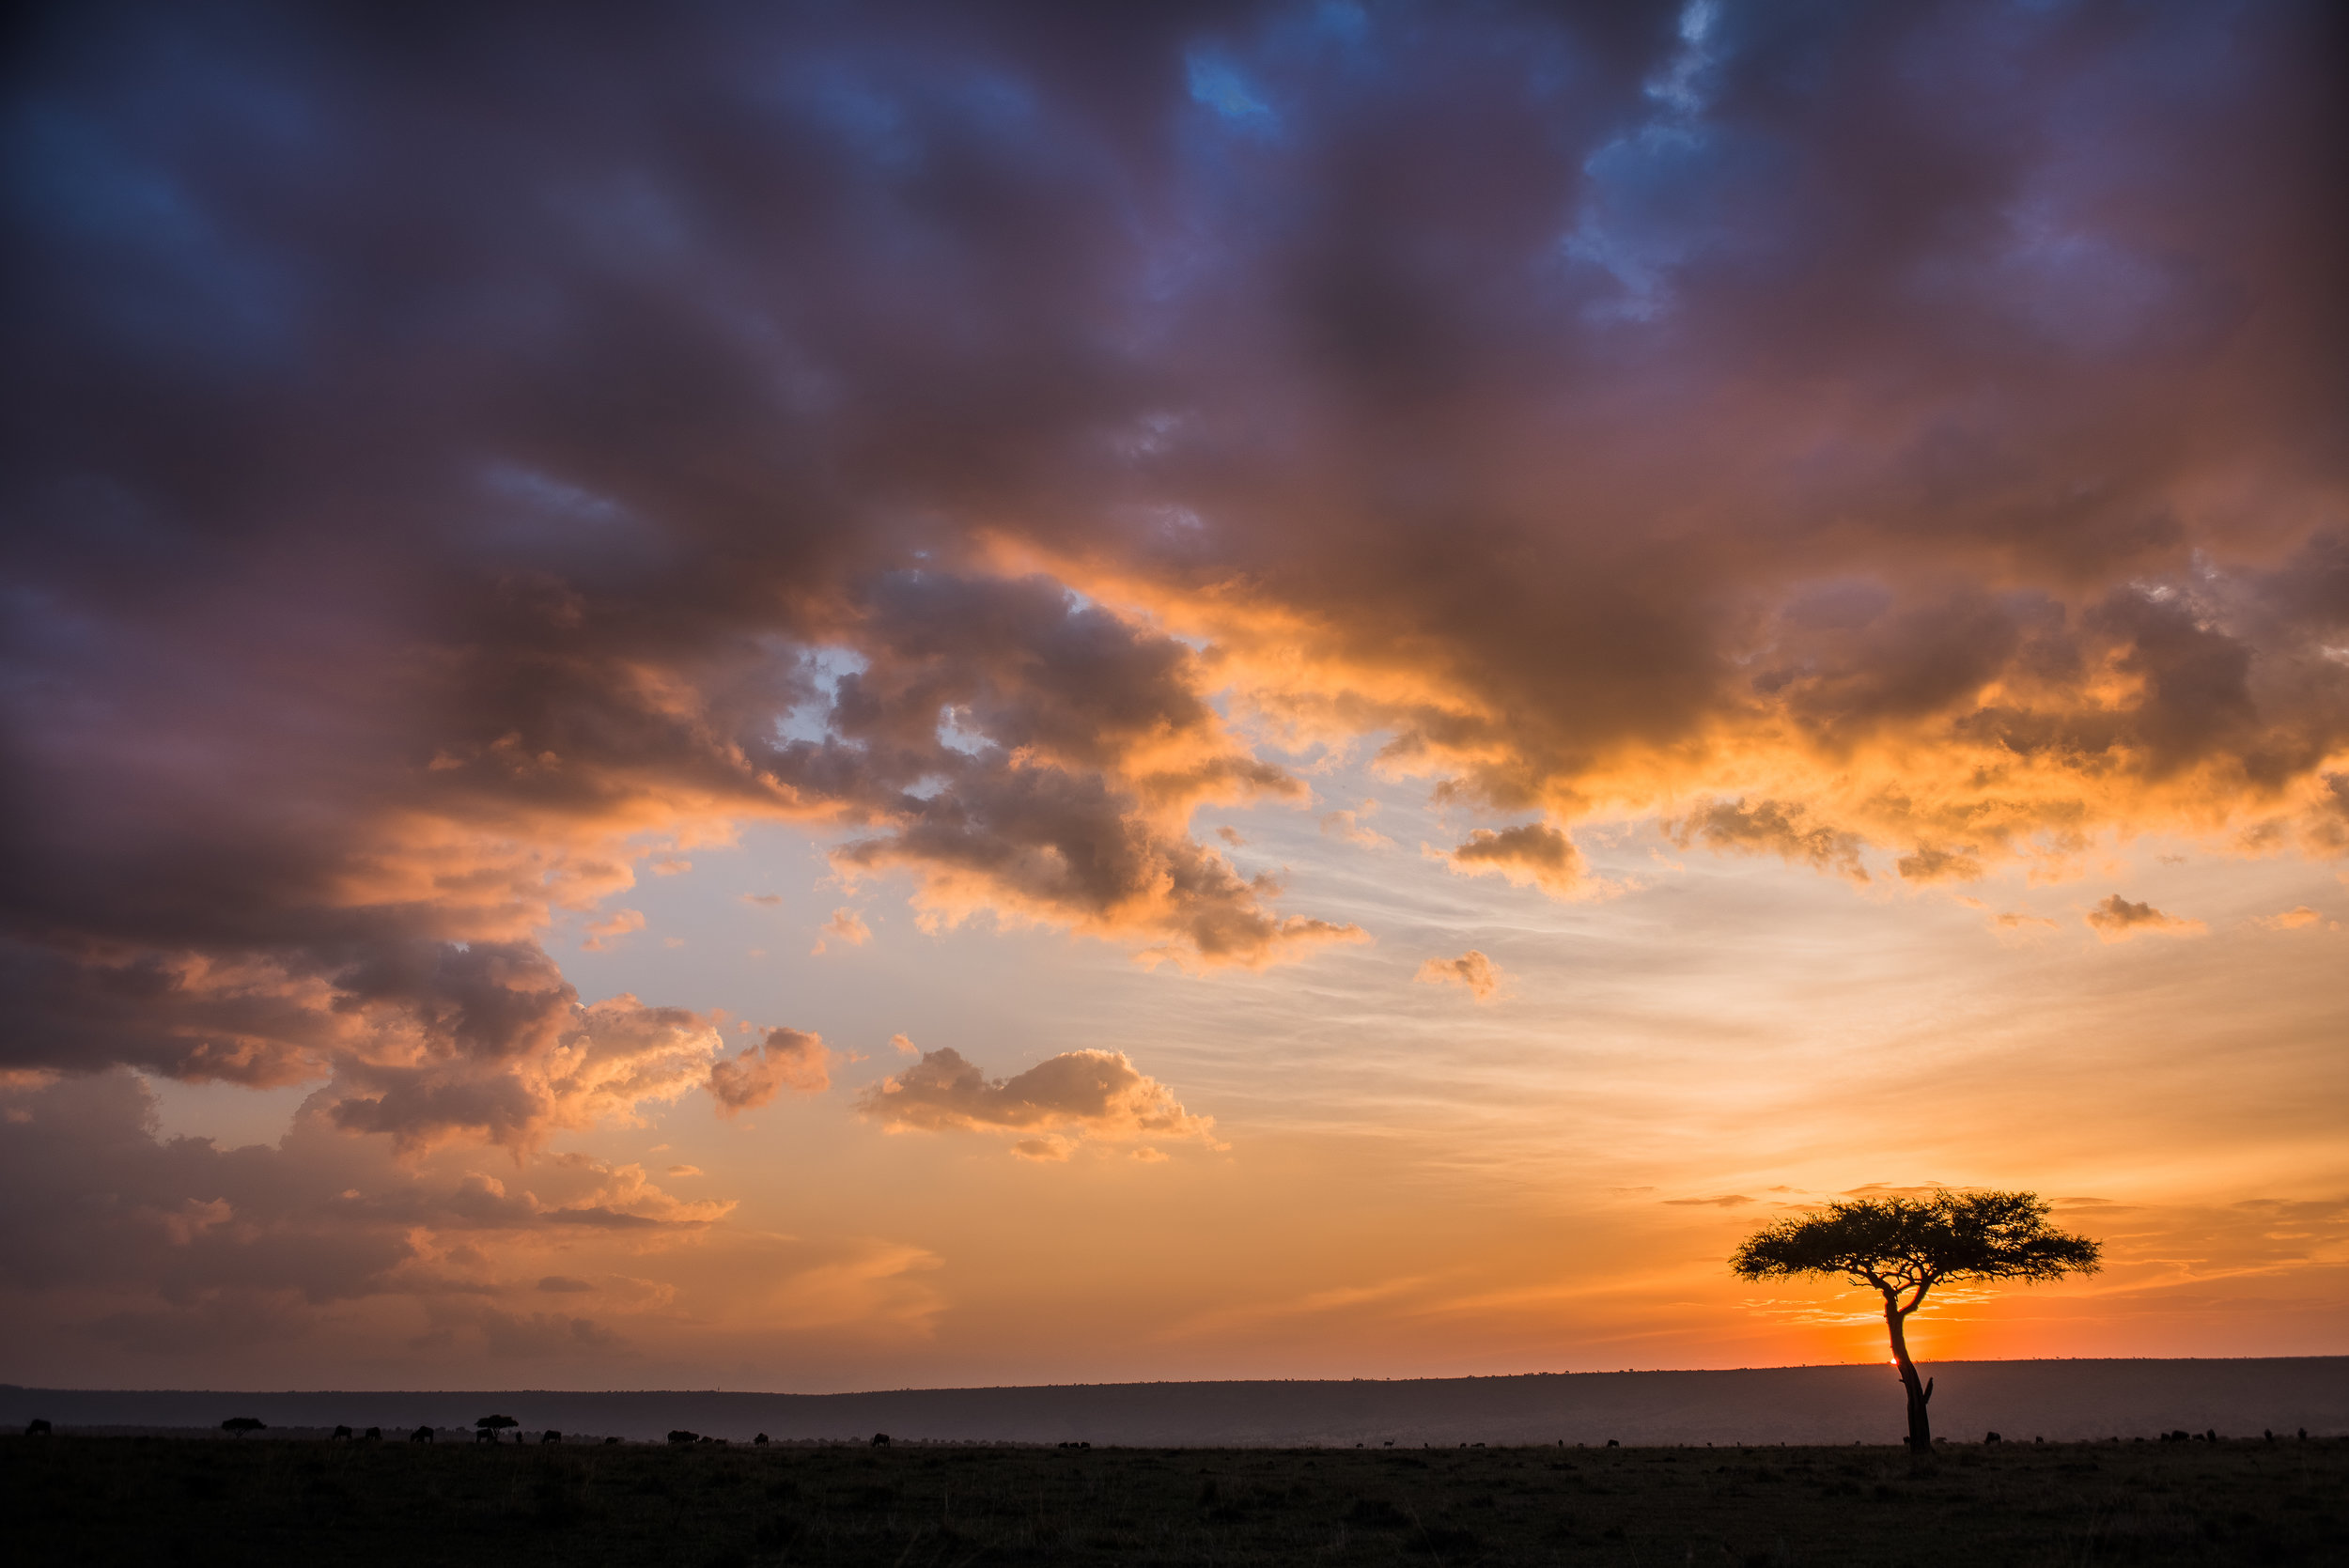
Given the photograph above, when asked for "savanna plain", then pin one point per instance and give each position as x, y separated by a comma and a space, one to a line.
96, 1499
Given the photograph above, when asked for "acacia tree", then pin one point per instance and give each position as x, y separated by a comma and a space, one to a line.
1904, 1247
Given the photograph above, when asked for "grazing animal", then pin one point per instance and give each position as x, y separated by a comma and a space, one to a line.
550, 1435
880, 1440
1612, 1444
342, 1435
40, 1428
421, 1434
1993, 1437
760, 1440
375, 1434
1390, 1443
683, 1436
611, 1442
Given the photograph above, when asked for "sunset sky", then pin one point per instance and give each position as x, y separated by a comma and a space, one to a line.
857, 695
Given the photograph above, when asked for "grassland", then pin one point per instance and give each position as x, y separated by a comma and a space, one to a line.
163, 1502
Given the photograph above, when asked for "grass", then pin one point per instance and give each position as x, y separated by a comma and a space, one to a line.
163, 1502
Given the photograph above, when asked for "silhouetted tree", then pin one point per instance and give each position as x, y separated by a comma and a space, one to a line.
243, 1424
1904, 1247
491, 1426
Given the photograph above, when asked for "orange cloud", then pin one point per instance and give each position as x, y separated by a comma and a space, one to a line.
1472, 969
1346, 825
2117, 920
1932, 863
1774, 827
845, 925
785, 1059
2293, 919
603, 932
1532, 854
1089, 1094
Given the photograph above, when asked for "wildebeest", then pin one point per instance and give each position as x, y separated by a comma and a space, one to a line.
681, 1435
1992, 1437
38, 1428
760, 1440
550, 1435
421, 1434
880, 1439
343, 1434
375, 1434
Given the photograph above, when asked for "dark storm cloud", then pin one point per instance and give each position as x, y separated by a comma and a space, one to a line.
453, 455
99, 1203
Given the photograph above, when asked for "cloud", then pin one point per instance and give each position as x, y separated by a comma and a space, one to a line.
1519, 478
601, 934
563, 1284
1076, 1095
1776, 828
1532, 854
785, 1059
2020, 924
1480, 976
903, 1046
527, 1063
104, 1205
845, 925
2293, 919
1346, 825
1729, 1201
684, 1171
2117, 920
1930, 864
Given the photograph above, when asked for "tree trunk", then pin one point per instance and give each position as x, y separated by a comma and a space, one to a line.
1919, 1425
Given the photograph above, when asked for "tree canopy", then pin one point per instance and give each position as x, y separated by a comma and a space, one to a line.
1900, 1245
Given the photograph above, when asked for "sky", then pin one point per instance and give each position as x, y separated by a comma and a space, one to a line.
821, 696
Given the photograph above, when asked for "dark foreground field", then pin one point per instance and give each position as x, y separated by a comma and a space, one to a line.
84, 1500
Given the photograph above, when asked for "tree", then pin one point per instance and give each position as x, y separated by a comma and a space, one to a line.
1904, 1247
243, 1424
491, 1426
